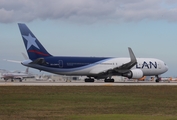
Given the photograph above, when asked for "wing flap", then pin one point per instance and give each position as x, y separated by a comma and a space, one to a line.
98, 71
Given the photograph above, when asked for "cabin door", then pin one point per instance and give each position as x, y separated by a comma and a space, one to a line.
60, 63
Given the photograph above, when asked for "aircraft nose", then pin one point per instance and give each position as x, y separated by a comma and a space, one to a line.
166, 68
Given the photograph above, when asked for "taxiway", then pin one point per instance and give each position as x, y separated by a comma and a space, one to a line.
81, 83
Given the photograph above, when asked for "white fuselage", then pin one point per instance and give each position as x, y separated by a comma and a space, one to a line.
149, 66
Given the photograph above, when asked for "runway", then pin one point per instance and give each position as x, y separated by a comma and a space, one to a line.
81, 83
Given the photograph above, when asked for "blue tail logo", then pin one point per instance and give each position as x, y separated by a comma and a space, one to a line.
31, 41
33, 46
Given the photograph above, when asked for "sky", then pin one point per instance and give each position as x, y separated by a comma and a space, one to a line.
91, 28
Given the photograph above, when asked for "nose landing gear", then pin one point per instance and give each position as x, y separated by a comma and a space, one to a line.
157, 78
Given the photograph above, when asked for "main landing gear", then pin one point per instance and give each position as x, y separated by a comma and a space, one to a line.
105, 80
20, 80
108, 80
89, 80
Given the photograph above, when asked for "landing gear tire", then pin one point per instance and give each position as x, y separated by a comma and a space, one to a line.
158, 79
12, 80
89, 80
20, 80
109, 80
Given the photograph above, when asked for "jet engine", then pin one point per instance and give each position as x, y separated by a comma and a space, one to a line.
135, 74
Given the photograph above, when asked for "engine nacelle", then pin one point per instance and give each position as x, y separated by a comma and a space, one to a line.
135, 74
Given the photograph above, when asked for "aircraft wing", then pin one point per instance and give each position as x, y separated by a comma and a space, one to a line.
16, 61
18, 77
123, 68
127, 66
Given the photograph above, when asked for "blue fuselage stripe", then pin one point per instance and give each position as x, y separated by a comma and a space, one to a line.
73, 63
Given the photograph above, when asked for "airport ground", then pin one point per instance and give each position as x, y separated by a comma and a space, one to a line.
63, 82
74, 99
88, 102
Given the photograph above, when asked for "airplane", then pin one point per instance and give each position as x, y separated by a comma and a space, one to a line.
16, 75
92, 67
20, 75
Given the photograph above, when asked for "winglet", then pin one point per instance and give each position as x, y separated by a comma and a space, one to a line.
132, 56
127, 66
